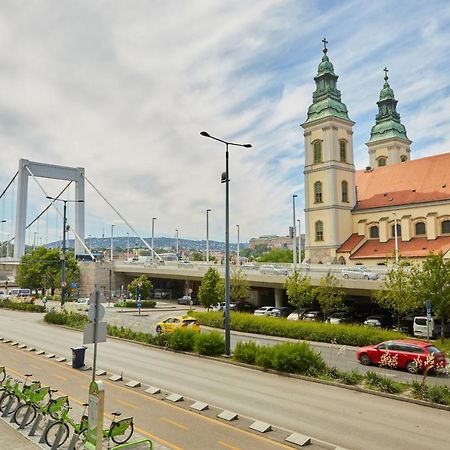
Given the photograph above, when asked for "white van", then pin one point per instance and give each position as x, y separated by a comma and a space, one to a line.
420, 327
16, 292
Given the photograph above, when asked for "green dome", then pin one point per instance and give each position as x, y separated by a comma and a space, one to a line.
386, 92
325, 65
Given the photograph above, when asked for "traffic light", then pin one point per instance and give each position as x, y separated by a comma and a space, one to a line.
291, 232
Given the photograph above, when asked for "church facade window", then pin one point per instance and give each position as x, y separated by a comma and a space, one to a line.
420, 228
445, 227
344, 189
343, 151
319, 230
317, 152
318, 192
381, 161
403, 158
399, 230
374, 232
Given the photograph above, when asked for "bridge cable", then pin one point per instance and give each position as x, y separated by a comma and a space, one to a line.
123, 218
53, 203
9, 184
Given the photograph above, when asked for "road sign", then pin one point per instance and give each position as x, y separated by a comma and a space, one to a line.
89, 333
73, 285
100, 312
95, 416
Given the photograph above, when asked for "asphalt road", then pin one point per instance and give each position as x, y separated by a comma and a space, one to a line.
349, 419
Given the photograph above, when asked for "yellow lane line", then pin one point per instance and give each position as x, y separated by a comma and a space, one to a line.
126, 403
154, 400
172, 422
61, 377
224, 444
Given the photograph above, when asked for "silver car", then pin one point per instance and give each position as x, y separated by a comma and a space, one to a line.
359, 272
265, 311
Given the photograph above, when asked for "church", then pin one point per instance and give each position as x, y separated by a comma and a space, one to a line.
396, 205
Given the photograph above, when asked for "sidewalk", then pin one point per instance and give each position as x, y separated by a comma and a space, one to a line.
10, 438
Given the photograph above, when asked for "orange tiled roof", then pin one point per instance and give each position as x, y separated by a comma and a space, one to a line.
350, 243
417, 247
417, 181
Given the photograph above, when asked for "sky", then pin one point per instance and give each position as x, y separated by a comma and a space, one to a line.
124, 88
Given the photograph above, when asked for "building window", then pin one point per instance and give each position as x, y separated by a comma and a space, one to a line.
343, 151
399, 230
403, 158
420, 228
319, 230
374, 232
381, 162
317, 152
344, 186
445, 227
318, 192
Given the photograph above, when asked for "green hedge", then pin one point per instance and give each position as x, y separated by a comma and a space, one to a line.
355, 335
210, 344
133, 304
30, 307
71, 319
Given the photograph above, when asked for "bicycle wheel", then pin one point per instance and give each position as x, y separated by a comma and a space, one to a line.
5, 400
54, 430
124, 436
79, 445
21, 412
2, 375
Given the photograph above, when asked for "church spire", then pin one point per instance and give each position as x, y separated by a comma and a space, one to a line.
387, 121
326, 98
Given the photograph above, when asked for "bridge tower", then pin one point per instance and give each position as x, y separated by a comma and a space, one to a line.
36, 169
329, 168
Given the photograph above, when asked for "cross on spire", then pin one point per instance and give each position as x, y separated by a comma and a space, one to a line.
386, 73
325, 42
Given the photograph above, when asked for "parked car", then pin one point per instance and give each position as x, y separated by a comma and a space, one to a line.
250, 266
314, 316
82, 304
172, 323
360, 272
410, 354
243, 306
218, 306
340, 317
421, 327
264, 311
187, 299
281, 311
270, 269
378, 320
297, 314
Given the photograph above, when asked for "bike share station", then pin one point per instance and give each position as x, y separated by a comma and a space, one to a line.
89, 434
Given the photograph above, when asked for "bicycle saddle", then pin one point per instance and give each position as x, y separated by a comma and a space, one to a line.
53, 390
28, 375
116, 413
85, 404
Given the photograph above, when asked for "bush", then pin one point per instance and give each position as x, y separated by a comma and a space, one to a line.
296, 358
73, 320
438, 394
264, 357
350, 378
30, 307
355, 335
383, 384
211, 344
133, 304
183, 339
245, 352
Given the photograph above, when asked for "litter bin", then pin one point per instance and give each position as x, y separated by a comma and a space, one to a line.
78, 356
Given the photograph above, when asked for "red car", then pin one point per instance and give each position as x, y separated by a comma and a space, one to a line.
409, 354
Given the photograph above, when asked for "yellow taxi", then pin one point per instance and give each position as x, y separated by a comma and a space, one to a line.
172, 323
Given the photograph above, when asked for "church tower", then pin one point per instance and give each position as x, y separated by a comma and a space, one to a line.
329, 169
388, 142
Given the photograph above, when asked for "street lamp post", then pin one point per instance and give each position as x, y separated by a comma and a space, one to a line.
128, 245
90, 243
238, 262
112, 242
294, 240
153, 237
63, 256
3, 243
299, 242
226, 180
7, 244
207, 235
176, 236
34, 240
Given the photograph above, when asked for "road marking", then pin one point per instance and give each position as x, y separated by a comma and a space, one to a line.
154, 400
172, 422
61, 377
224, 444
126, 403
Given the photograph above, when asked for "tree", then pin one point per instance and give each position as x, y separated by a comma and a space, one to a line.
277, 255
299, 290
141, 287
41, 269
329, 294
433, 284
239, 287
207, 293
197, 256
400, 295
